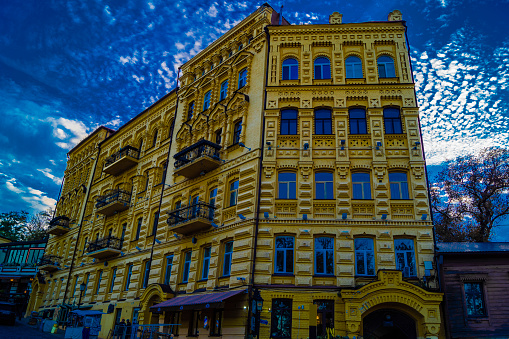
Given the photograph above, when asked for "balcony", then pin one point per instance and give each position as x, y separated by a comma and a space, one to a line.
104, 248
115, 201
197, 159
190, 219
58, 225
49, 263
122, 160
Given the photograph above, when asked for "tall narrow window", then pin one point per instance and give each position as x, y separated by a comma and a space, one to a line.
323, 121
187, 266
353, 67
234, 190
85, 245
405, 257
206, 101
324, 185
224, 90
218, 136
242, 78
364, 257
237, 131
474, 299
215, 323
154, 140
281, 319
287, 185
128, 279
113, 277
392, 121
156, 222
357, 120
212, 202
140, 145
146, 275
86, 284
322, 68
284, 255
290, 69
206, 263
122, 237
99, 282
399, 185
386, 67
324, 256
227, 261
169, 266
138, 228
361, 186
289, 122
324, 318
190, 110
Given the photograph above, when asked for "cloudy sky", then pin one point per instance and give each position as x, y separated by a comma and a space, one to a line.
67, 67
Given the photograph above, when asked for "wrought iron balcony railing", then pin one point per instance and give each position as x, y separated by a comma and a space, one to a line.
49, 259
122, 160
106, 243
61, 221
197, 159
127, 151
116, 200
190, 219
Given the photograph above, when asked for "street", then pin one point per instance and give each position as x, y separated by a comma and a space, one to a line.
22, 331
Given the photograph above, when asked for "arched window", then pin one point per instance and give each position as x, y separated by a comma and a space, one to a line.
237, 130
190, 110
399, 185
154, 140
224, 90
206, 101
290, 69
386, 67
287, 185
357, 117
289, 122
353, 67
361, 186
324, 185
392, 121
140, 145
323, 121
322, 68
243, 78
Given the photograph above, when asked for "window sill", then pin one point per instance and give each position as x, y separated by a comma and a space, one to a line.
202, 280
283, 275
402, 200
324, 276
289, 82
224, 276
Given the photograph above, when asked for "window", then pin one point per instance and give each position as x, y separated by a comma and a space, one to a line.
324, 317
237, 130
86, 284
178, 204
146, 275
284, 255
241, 46
206, 101
474, 299
194, 324
212, 202
206, 263
290, 69
190, 110
227, 262
392, 121
169, 266
147, 178
353, 67
323, 121
289, 122
405, 257
75, 285
386, 67
399, 185
324, 256
361, 186
113, 277
85, 245
218, 136
187, 266
364, 257
140, 145
234, 191
156, 221
287, 185
99, 282
138, 229
174, 318
322, 68
224, 90
242, 78
357, 119
129, 273
281, 319
154, 140
215, 323
324, 185
122, 237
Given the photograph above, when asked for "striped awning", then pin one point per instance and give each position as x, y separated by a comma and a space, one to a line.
195, 302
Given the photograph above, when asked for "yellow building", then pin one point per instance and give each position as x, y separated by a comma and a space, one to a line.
279, 192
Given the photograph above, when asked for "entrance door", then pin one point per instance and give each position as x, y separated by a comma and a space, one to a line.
325, 319
388, 324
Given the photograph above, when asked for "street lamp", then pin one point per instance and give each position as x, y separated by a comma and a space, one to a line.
83, 286
257, 309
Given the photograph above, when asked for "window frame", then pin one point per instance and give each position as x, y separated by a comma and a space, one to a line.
324, 123
128, 276
392, 125
321, 67
99, 279
233, 192
325, 184
138, 228
288, 183
353, 68
169, 267
206, 100
190, 110
289, 126
365, 193
357, 126
237, 132
365, 254
384, 64
279, 333
325, 252
228, 254
405, 261
206, 262
216, 323
113, 277
290, 68
146, 273
482, 296
284, 252
187, 258
400, 187
155, 223
242, 78
223, 91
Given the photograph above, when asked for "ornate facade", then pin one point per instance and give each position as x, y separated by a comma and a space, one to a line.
279, 192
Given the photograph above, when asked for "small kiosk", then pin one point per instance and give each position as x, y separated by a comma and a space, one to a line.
79, 319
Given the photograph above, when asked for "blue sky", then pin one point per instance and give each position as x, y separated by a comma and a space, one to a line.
67, 67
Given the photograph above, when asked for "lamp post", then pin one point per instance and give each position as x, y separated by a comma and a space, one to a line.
83, 286
257, 309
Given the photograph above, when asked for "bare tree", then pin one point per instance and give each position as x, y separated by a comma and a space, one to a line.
36, 226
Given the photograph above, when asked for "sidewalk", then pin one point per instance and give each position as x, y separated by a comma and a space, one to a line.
23, 330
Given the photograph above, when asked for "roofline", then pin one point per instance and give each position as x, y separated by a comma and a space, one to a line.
14, 243
339, 25
89, 136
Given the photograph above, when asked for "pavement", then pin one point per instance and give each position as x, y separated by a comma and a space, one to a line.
22, 330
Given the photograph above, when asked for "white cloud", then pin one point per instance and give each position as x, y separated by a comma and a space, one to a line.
47, 173
212, 12
10, 186
151, 5
74, 131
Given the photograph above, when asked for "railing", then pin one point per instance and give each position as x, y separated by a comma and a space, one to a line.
188, 213
108, 242
50, 260
59, 221
117, 195
136, 331
123, 152
193, 152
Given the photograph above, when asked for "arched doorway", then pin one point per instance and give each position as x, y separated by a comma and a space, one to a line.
388, 324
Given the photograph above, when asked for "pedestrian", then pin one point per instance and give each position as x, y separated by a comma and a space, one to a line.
128, 329
121, 329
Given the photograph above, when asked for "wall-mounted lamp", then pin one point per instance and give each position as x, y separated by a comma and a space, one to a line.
214, 225
384, 216
424, 217
344, 215
241, 144
266, 215
139, 249
306, 146
176, 236
242, 217
158, 241
304, 217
